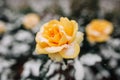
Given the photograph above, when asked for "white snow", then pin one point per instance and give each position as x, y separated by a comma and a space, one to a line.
7, 40
113, 63
24, 36
31, 66
108, 52
52, 68
20, 48
5, 64
79, 70
115, 43
90, 59
56, 77
66, 8
70, 49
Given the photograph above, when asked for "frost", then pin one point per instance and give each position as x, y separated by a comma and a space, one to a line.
90, 59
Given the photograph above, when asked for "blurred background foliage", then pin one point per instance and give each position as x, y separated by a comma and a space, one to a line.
17, 44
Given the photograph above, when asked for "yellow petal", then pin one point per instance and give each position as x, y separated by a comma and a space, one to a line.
109, 29
91, 31
71, 52
40, 50
74, 31
79, 37
54, 49
30, 20
93, 39
68, 27
43, 42
55, 56
63, 40
103, 38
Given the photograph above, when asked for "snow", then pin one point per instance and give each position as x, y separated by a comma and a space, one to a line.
114, 43
66, 7
24, 36
79, 70
56, 77
113, 63
20, 48
7, 40
70, 50
52, 68
105, 73
90, 59
5, 64
32, 67
3, 50
108, 52
89, 74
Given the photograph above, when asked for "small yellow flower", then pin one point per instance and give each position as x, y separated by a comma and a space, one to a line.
99, 30
59, 39
31, 20
2, 27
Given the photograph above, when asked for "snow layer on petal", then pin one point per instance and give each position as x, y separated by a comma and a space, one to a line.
71, 51
79, 37
55, 49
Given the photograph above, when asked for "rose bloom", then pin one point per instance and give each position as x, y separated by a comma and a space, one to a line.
2, 27
31, 20
59, 39
99, 30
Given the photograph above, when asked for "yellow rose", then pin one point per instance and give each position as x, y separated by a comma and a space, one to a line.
99, 30
2, 27
30, 20
59, 39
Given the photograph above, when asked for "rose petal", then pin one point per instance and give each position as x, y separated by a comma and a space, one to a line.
79, 37
40, 50
70, 52
75, 31
63, 40
55, 49
68, 27
55, 56
101, 38
43, 42
91, 31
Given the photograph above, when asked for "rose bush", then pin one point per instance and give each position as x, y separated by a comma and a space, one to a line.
30, 20
99, 30
2, 27
59, 39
